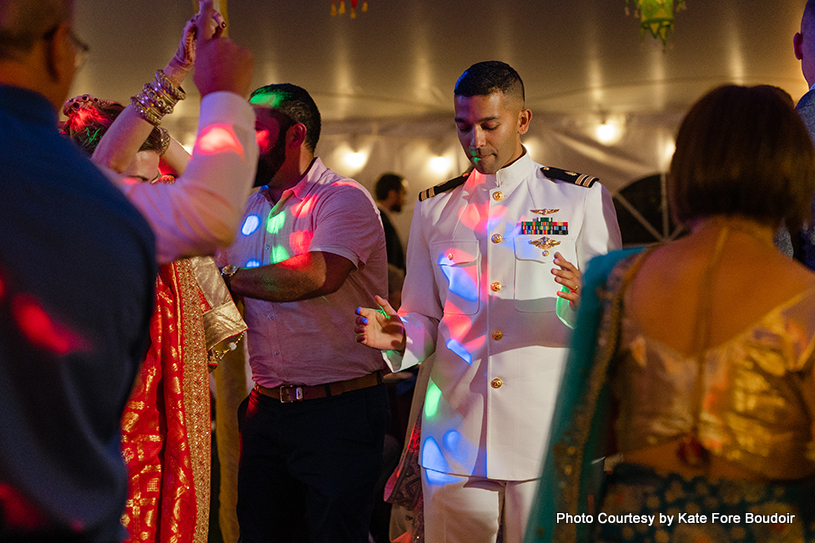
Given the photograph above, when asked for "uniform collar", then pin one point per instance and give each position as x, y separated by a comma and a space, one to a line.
508, 176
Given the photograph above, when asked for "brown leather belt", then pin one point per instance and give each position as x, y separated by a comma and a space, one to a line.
296, 393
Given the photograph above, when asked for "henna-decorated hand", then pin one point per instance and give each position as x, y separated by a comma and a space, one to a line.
181, 64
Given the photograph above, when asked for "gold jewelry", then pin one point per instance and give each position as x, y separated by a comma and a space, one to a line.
165, 139
157, 98
168, 86
146, 112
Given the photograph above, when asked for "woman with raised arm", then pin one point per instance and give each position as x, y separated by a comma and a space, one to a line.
166, 426
693, 360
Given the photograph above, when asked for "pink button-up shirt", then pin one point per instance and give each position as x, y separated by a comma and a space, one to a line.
311, 342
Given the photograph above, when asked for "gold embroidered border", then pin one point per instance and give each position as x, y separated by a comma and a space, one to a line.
196, 395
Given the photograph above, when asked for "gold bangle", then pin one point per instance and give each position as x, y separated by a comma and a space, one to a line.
162, 102
145, 112
165, 140
168, 86
157, 98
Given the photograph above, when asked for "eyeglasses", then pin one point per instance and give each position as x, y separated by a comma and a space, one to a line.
82, 48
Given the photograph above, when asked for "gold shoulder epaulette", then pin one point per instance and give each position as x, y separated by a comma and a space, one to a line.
580, 179
443, 187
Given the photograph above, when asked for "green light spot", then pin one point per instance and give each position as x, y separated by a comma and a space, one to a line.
92, 137
275, 223
279, 254
270, 98
431, 402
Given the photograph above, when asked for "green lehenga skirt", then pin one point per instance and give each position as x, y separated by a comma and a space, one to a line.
698, 510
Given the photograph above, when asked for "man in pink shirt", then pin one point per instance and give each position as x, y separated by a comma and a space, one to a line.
310, 250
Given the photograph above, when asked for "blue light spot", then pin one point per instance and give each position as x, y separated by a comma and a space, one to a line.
437, 478
461, 283
460, 350
253, 264
451, 440
432, 456
250, 225
459, 448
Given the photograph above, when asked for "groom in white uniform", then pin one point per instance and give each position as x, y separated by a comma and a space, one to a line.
492, 282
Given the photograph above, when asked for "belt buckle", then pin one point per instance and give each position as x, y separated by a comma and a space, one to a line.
286, 395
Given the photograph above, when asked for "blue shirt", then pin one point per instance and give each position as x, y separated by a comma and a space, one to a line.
77, 272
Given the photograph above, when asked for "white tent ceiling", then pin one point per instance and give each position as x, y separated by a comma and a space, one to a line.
384, 80
401, 57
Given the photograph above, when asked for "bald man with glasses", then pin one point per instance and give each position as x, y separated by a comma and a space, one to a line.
78, 261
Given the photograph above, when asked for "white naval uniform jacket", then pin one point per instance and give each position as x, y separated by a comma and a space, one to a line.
483, 298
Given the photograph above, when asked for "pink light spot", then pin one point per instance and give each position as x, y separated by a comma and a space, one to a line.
303, 208
300, 241
219, 138
262, 137
42, 330
83, 117
471, 217
459, 325
456, 254
18, 511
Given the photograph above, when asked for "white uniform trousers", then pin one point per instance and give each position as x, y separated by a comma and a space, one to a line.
470, 509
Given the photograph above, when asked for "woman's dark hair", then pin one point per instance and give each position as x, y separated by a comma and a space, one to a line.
743, 151
89, 118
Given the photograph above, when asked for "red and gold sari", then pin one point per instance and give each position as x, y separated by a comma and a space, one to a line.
166, 426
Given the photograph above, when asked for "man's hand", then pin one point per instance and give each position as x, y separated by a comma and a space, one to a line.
220, 63
380, 328
569, 276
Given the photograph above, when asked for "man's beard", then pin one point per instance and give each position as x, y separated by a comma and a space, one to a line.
271, 162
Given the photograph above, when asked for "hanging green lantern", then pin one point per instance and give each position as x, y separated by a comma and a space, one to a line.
656, 16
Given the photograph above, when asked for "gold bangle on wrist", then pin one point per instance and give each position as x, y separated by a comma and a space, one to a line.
145, 112
165, 140
157, 98
168, 86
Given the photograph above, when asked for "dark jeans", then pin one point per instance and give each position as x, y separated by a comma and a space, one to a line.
310, 467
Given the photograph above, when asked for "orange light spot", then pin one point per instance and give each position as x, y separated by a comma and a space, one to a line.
219, 138
41, 329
